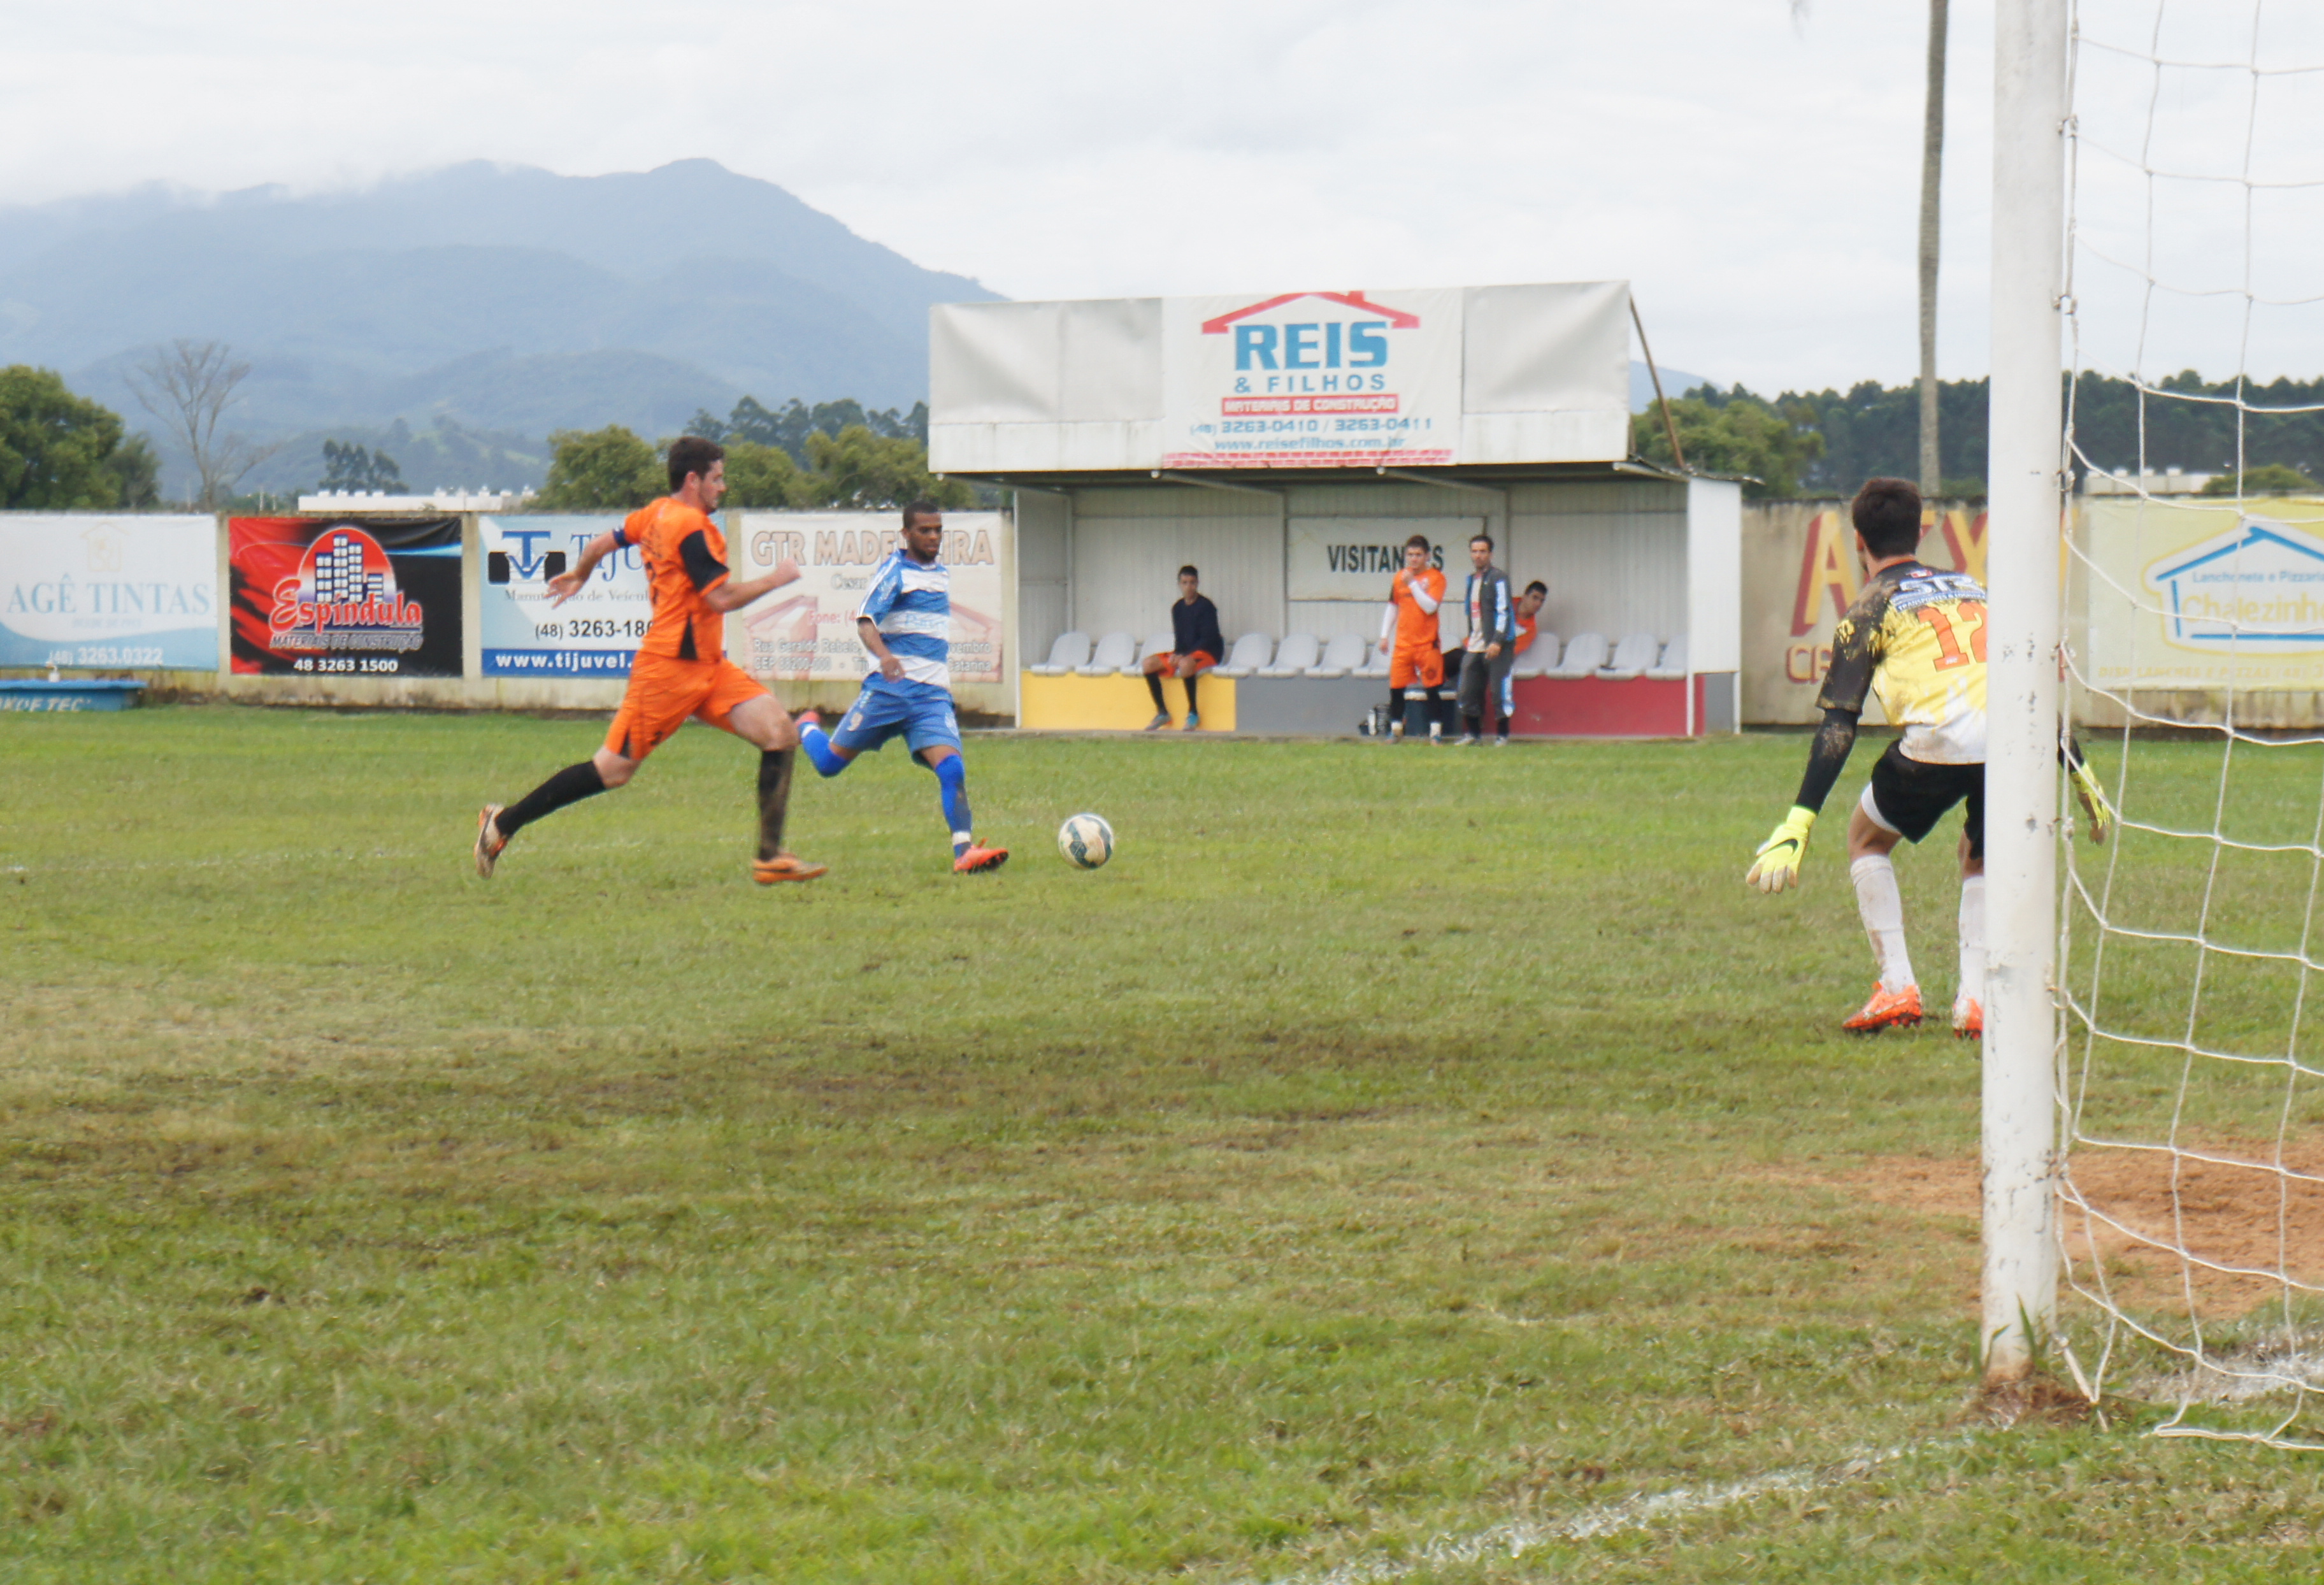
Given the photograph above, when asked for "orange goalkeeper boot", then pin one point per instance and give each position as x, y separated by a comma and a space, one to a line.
1969, 1018
1897, 1009
785, 867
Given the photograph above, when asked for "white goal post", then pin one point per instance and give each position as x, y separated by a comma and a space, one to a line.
2026, 498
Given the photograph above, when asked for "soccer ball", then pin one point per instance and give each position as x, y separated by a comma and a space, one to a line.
1085, 841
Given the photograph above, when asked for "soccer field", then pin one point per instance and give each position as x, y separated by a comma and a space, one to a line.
1390, 1145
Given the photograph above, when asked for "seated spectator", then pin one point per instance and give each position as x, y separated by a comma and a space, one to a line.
1195, 646
1530, 604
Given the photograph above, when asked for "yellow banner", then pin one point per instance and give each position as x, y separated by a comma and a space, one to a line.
2182, 595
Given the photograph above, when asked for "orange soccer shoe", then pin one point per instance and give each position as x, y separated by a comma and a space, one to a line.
978, 860
1969, 1019
785, 867
1901, 1009
489, 840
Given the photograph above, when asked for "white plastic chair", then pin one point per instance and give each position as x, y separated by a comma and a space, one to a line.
1070, 650
1161, 644
1114, 651
1251, 651
1540, 658
1341, 657
1584, 654
1672, 667
1299, 651
1632, 656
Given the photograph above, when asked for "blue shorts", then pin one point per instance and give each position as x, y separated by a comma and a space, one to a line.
923, 714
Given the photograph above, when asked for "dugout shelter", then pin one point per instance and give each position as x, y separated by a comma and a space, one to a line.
1287, 445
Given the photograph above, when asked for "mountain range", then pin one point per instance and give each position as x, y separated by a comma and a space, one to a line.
461, 315
499, 299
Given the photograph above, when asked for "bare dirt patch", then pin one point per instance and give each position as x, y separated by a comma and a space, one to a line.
2232, 1209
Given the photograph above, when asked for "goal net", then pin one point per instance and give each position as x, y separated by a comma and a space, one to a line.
2190, 1032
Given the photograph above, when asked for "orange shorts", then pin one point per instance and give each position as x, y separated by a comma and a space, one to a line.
1203, 658
1417, 665
663, 692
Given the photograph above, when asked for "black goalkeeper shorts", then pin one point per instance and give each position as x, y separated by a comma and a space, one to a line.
1909, 797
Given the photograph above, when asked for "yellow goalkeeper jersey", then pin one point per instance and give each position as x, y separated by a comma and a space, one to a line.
1915, 636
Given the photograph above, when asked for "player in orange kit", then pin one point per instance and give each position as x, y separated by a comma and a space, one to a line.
1416, 666
681, 669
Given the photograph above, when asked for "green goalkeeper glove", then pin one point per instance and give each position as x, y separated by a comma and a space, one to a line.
1777, 863
2093, 799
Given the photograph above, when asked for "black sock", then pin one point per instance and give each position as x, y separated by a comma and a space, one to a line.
1436, 706
569, 786
1470, 725
774, 798
1190, 695
1501, 727
1154, 686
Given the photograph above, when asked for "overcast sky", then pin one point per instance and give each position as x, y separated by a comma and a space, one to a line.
1757, 178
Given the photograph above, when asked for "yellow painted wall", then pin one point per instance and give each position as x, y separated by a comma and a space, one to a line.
1118, 704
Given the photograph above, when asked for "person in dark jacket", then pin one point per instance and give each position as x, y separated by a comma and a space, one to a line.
1196, 647
1491, 644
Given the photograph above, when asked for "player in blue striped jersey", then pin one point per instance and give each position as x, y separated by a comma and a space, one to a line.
906, 622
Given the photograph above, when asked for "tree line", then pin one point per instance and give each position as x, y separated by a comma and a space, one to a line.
60, 451
1826, 443
63, 452
831, 454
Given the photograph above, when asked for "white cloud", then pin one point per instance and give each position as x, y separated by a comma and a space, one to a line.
1758, 182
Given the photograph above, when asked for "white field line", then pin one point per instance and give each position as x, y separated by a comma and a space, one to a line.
1519, 1537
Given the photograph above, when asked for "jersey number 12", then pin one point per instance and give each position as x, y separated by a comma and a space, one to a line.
1969, 611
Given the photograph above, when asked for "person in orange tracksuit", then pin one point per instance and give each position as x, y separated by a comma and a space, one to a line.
1416, 666
681, 669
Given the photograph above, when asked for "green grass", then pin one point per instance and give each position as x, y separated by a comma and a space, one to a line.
1388, 1144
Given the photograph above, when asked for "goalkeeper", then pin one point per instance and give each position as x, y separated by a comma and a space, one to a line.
1916, 637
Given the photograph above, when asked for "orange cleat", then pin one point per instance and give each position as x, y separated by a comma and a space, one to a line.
977, 860
489, 840
1969, 1019
785, 867
1901, 1009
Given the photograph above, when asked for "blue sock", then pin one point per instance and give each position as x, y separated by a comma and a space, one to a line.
951, 787
819, 749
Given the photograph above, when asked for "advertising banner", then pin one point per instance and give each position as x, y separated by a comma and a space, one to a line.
2188, 597
1800, 574
1312, 379
108, 592
805, 632
1354, 559
594, 634
366, 596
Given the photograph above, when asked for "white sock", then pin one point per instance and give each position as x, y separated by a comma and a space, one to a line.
1972, 940
1883, 909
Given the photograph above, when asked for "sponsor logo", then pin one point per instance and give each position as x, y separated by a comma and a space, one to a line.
1287, 366
2258, 587
518, 561
344, 597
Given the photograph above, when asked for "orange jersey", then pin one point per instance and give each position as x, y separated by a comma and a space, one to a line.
1526, 628
1414, 626
686, 558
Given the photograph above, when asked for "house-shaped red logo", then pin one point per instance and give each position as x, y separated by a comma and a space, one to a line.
1397, 320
